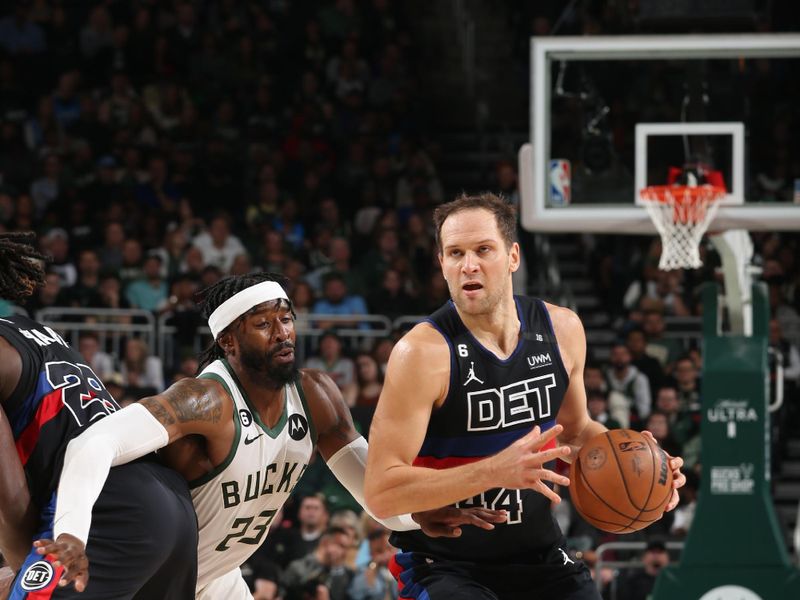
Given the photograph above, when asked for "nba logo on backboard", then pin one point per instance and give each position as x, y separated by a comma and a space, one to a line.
560, 182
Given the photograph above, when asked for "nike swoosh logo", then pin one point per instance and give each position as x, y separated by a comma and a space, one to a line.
249, 440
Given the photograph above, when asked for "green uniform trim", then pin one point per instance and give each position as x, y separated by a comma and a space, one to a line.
272, 432
302, 395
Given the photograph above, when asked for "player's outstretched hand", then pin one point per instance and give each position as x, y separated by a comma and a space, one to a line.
447, 521
521, 464
69, 552
678, 478
6, 581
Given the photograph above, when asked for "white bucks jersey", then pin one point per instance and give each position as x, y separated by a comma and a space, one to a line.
236, 501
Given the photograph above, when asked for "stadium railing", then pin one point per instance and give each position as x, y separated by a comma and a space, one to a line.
674, 548
112, 326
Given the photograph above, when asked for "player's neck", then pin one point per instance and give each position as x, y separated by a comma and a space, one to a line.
265, 394
498, 330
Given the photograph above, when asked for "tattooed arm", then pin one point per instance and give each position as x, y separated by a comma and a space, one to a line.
191, 406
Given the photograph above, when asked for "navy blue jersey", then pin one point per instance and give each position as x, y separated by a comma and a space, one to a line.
57, 397
491, 403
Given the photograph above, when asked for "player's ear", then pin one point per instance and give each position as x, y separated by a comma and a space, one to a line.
514, 257
227, 341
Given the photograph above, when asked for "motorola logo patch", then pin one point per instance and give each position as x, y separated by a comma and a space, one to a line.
298, 427
38, 576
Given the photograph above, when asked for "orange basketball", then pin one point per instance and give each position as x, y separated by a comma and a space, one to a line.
620, 481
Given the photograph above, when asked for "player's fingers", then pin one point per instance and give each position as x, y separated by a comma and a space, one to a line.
530, 438
548, 475
546, 491
544, 456
73, 573
675, 463
74, 564
442, 530
491, 516
679, 480
49, 547
81, 581
673, 501
545, 437
63, 558
42, 545
648, 433
474, 519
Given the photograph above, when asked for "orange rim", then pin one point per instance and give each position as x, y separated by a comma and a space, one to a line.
682, 194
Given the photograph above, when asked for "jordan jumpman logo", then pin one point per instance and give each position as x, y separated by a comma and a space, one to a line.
471, 374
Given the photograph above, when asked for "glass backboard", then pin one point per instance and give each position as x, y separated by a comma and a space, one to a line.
610, 115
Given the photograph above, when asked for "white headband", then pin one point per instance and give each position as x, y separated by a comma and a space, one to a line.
238, 304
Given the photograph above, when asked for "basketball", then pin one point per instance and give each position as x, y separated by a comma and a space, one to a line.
620, 481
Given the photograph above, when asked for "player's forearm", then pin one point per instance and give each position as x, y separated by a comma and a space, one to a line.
17, 526
16, 510
409, 489
114, 440
349, 465
576, 442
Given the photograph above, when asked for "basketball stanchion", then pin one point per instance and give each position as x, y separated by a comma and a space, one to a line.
734, 520
681, 214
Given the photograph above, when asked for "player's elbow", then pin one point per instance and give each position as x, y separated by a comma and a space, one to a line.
377, 498
379, 508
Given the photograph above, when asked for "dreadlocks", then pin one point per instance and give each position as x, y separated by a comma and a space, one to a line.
210, 298
21, 270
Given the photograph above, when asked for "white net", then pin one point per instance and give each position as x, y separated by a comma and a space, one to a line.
681, 215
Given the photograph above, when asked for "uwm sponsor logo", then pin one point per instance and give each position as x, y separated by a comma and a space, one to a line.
521, 402
539, 360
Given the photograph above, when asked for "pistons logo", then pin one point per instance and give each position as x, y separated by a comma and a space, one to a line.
38, 576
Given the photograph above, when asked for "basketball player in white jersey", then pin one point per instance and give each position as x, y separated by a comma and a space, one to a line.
242, 433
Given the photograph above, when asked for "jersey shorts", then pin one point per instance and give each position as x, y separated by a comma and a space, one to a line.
142, 544
556, 577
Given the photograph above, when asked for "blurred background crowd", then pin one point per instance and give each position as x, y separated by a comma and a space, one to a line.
156, 147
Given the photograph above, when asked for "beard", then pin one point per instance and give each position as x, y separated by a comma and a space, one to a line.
484, 306
277, 374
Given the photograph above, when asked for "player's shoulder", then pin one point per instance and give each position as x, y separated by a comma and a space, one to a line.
314, 381
423, 343
325, 401
565, 320
191, 389
319, 388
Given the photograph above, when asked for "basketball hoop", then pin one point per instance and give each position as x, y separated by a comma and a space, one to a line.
681, 214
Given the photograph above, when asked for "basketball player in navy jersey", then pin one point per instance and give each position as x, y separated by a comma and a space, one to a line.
474, 400
48, 397
242, 433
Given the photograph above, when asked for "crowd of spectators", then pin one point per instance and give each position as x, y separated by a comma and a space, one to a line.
156, 147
